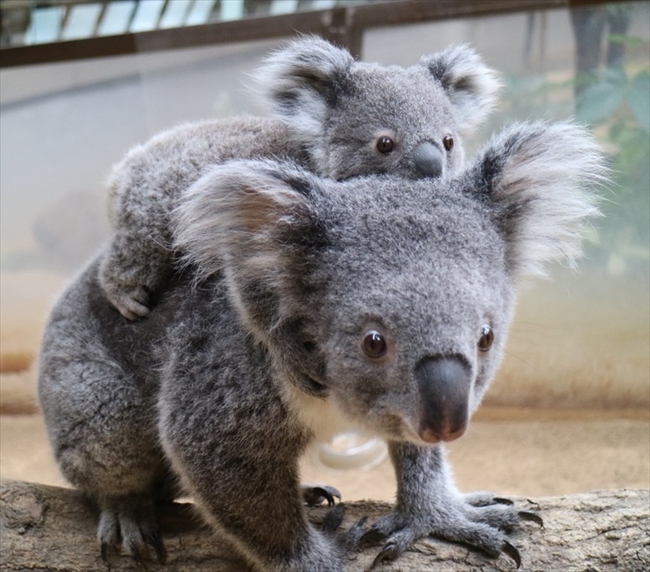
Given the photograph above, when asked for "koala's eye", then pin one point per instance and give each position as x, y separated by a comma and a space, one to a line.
374, 344
385, 144
486, 339
448, 142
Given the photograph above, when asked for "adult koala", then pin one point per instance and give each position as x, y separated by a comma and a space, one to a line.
311, 306
336, 117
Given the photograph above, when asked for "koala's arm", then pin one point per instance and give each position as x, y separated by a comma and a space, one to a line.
145, 187
235, 445
428, 503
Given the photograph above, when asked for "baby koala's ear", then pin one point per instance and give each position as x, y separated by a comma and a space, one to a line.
472, 87
246, 216
300, 81
538, 179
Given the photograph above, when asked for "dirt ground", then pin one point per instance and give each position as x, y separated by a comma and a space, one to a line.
545, 455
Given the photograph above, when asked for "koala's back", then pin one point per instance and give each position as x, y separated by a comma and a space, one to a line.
98, 389
101, 378
152, 175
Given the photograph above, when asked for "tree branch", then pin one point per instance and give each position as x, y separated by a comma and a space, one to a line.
48, 528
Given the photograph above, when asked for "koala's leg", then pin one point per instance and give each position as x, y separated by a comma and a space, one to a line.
103, 436
428, 503
242, 472
134, 267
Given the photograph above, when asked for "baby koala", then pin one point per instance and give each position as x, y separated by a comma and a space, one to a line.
309, 306
337, 117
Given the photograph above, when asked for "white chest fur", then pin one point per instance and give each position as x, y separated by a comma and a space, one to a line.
323, 417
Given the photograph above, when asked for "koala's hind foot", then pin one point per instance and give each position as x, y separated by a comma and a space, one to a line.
130, 522
313, 495
482, 526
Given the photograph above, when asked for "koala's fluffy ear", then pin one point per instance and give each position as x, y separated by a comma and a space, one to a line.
300, 81
471, 86
539, 180
245, 216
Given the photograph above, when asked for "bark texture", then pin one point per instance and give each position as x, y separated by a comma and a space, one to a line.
48, 528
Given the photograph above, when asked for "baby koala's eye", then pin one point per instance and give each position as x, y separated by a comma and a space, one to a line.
385, 144
374, 344
448, 142
486, 339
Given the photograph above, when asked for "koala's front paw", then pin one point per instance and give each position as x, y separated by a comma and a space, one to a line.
131, 523
479, 520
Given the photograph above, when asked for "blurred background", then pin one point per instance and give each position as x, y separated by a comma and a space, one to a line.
82, 81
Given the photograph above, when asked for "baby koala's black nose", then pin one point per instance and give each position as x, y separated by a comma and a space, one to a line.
428, 160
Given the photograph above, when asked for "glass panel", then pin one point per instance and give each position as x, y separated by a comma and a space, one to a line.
147, 15
232, 10
283, 7
81, 21
45, 25
200, 12
174, 14
117, 18
322, 4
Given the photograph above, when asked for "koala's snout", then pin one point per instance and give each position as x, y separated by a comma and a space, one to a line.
428, 160
444, 384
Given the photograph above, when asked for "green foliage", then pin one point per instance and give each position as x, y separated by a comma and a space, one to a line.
618, 105
603, 99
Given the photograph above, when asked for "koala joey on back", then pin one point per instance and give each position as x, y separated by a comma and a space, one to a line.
311, 306
337, 117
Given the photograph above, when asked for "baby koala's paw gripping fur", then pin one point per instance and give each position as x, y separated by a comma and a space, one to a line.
128, 276
475, 520
132, 302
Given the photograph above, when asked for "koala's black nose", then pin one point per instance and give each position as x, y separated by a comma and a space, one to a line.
428, 160
444, 383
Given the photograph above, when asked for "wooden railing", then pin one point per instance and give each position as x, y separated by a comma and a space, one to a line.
343, 24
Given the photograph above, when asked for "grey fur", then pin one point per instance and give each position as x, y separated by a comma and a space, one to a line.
256, 349
330, 112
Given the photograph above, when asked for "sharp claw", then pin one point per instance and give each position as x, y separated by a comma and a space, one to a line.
501, 500
155, 541
329, 493
356, 528
140, 556
372, 536
315, 495
361, 522
355, 532
334, 518
389, 552
512, 551
532, 517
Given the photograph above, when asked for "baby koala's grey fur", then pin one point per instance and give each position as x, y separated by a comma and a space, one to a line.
257, 348
330, 112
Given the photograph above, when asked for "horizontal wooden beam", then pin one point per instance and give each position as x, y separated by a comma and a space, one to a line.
344, 25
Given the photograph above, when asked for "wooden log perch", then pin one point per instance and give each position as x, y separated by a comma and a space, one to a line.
48, 528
